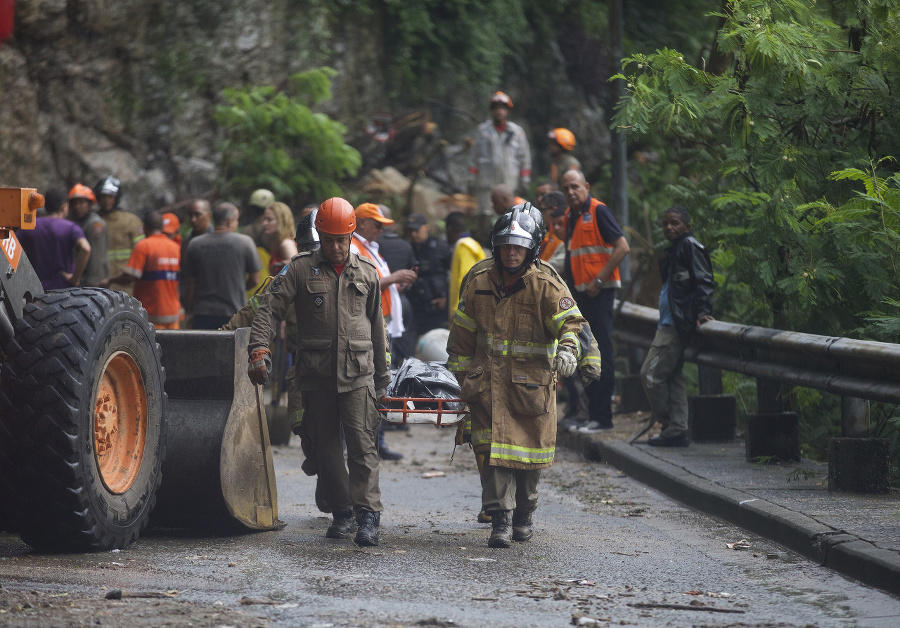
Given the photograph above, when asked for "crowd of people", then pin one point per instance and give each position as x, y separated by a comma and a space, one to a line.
366, 290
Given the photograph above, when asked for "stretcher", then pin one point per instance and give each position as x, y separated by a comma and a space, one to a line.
421, 410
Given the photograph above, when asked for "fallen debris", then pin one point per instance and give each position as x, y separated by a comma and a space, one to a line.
433, 474
696, 606
248, 601
118, 594
743, 544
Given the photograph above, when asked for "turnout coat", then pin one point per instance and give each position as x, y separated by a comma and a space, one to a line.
502, 347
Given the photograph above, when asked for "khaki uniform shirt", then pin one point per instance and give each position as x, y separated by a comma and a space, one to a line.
341, 336
125, 229
502, 348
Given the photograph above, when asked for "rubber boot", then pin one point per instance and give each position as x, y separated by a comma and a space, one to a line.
501, 532
367, 533
522, 530
341, 526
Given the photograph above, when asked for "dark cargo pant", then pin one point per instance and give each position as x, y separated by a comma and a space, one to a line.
354, 484
663, 381
509, 489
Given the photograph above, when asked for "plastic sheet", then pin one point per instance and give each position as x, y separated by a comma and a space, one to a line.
423, 392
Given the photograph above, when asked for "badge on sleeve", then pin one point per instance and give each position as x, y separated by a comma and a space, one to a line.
566, 303
462, 306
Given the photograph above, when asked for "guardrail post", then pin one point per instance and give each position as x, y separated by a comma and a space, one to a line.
710, 380
768, 396
854, 417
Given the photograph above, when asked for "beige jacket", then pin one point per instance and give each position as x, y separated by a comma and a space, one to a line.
502, 349
341, 336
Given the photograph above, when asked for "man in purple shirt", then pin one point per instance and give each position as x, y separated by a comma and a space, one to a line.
56, 247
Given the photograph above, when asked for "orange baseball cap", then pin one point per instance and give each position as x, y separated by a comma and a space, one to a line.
371, 210
171, 224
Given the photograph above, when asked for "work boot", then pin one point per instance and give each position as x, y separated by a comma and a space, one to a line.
501, 532
341, 526
521, 527
368, 522
483, 517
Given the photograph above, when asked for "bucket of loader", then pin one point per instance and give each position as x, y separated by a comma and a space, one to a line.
218, 470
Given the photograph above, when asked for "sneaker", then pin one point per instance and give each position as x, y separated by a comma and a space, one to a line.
592, 427
569, 424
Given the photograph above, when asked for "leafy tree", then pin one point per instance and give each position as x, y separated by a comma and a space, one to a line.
274, 139
806, 91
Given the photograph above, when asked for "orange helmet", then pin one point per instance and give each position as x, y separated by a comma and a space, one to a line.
563, 137
336, 217
82, 191
500, 97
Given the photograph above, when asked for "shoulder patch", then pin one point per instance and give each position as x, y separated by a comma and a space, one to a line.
566, 303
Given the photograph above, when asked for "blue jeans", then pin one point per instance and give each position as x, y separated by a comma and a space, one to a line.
598, 311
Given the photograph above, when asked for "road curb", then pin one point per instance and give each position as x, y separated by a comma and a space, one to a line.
846, 553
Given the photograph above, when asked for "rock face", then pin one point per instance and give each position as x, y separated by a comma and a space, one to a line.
129, 87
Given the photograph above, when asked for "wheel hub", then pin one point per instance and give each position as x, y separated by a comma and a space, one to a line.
120, 422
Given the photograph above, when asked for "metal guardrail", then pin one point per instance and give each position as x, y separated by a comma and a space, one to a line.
861, 369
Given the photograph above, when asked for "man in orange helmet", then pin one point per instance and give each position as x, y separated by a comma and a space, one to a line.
500, 154
342, 365
81, 212
560, 144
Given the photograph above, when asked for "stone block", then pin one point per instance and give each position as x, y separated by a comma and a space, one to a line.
711, 418
859, 465
773, 437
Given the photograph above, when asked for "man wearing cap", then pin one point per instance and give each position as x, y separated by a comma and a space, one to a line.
170, 227
398, 253
500, 154
369, 223
154, 267
125, 228
81, 209
428, 294
252, 219
342, 366
560, 144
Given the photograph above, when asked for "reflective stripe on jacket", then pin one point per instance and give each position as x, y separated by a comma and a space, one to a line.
588, 251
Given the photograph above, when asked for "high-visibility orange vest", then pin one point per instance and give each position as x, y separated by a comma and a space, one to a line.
588, 251
549, 245
379, 264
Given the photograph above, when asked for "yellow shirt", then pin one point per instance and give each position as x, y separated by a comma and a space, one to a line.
466, 253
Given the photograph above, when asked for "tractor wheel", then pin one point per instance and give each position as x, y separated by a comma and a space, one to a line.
81, 421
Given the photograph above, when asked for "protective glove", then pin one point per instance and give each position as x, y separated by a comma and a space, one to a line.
565, 363
260, 366
379, 393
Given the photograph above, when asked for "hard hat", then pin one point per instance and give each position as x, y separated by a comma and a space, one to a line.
262, 198
82, 191
110, 186
307, 237
524, 226
500, 97
432, 345
170, 223
335, 217
564, 137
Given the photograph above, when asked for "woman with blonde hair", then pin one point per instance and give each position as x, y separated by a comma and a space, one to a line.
278, 225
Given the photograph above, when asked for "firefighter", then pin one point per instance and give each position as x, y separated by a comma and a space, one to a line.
342, 365
125, 229
516, 330
81, 212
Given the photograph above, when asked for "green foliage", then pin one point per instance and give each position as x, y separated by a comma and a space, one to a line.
760, 138
273, 139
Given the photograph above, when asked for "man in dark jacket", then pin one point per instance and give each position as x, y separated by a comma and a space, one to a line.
428, 294
685, 303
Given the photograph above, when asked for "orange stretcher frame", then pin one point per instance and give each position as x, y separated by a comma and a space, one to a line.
425, 416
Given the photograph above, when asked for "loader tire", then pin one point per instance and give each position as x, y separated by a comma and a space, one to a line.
82, 425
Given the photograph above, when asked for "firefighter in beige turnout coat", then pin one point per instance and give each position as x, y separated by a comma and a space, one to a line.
515, 331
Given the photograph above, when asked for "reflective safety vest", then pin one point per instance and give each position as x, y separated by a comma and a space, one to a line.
588, 251
548, 246
382, 269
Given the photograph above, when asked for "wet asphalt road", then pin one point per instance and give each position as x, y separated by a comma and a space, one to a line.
605, 548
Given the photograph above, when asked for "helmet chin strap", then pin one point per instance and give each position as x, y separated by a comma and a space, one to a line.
516, 270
